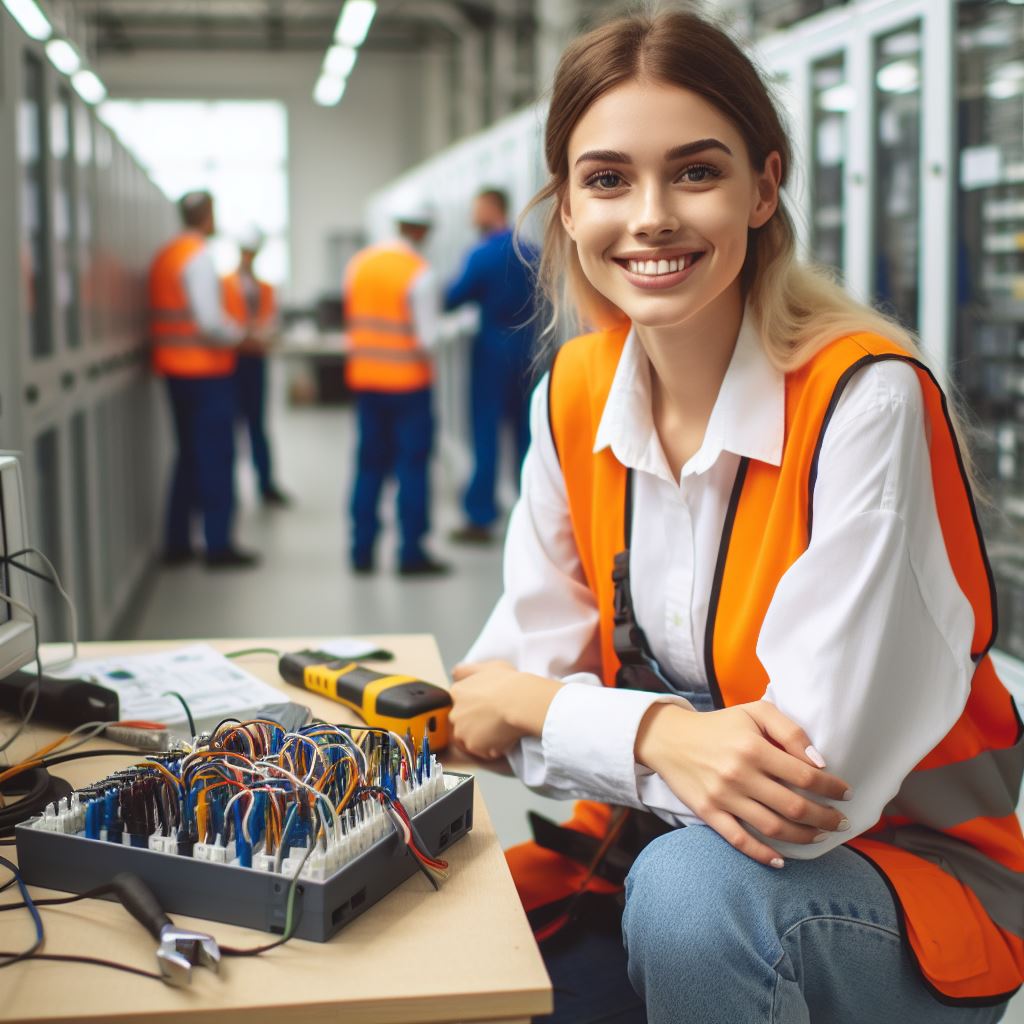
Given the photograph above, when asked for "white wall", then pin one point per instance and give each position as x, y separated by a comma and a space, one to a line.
338, 156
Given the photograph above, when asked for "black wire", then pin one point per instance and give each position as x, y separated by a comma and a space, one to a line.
10, 560
95, 961
35, 686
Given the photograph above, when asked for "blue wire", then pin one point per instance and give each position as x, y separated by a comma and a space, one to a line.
32, 909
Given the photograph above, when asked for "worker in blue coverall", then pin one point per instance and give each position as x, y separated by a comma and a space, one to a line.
496, 279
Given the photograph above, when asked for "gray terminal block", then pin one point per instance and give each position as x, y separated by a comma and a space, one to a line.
248, 896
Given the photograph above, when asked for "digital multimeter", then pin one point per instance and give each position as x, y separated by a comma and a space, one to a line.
386, 701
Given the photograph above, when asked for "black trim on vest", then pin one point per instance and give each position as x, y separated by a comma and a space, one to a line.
716, 585
813, 475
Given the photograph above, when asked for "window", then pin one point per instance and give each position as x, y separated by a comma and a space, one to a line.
236, 150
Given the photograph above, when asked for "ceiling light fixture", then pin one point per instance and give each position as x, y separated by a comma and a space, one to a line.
88, 85
30, 17
354, 22
63, 56
328, 90
339, 61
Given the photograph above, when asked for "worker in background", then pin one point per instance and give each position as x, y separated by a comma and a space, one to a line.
195, 348
250, 303
391, 322
500, 283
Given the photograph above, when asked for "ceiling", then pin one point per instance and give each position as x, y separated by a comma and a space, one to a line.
130, 26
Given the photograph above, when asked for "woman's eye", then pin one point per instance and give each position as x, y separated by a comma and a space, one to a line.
604, 179
695, 174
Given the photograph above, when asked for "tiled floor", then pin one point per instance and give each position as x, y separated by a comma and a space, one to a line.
304, 586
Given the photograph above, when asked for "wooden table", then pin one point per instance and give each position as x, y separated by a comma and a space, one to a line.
463, 954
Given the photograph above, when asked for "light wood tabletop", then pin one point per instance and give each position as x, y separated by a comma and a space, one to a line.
465, 953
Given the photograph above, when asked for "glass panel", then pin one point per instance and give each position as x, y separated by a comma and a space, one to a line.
897, 172
46, 536
990, 282
833, 99
35, 214
773, 15
64, 212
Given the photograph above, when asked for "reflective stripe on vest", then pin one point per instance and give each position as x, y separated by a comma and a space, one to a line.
384, 353
173, 328
955, 861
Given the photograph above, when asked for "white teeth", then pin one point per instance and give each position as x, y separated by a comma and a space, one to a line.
653, 268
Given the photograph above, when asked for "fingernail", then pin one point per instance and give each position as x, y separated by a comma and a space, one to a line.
777, 862
820, 837
848, 795
814, 756
843, 825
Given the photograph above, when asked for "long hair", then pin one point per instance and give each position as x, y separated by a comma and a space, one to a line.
798, 307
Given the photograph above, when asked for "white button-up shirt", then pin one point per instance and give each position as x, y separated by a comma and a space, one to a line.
867, 639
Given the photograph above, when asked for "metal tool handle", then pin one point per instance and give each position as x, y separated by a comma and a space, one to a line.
139, 901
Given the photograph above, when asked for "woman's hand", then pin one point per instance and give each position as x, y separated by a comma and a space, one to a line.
495, 706
735, 765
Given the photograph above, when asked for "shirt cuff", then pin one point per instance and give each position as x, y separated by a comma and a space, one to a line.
589, 738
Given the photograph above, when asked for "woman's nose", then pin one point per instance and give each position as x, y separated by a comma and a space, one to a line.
654, 215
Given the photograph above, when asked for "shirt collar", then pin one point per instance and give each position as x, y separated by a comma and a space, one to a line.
748, 418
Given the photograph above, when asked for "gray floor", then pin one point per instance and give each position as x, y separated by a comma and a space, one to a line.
304, 587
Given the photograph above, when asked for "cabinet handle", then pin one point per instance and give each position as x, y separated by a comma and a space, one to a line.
67, 380
31, 394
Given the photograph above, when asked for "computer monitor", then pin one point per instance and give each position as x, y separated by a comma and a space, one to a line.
17, 637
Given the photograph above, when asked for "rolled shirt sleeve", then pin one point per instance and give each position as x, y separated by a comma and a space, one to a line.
426, 307
203, 287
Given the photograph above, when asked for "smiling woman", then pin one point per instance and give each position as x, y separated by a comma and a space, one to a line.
745, 592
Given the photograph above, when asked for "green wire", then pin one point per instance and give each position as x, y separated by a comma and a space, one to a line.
245, 652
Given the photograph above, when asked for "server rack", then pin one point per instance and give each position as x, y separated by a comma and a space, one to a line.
79, 221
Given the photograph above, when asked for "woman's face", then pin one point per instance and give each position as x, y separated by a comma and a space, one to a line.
659, 201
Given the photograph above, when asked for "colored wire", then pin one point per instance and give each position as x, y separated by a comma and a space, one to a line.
92, 960
13, 958
37, 684
245, 652
188, 710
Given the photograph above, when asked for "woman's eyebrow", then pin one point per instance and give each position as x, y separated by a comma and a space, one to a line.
696, 147
615, 156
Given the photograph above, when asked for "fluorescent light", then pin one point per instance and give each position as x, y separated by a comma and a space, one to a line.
29, 16
838, 99
63, 56
328, 90
339, 61
901, 76
354, 22
88, 85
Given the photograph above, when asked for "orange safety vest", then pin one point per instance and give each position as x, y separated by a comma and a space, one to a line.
173, 329
949, 844
384, 353
237, 308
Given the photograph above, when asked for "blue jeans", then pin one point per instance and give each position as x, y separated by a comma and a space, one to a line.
713, 937
251, 385
395, 436
203, 476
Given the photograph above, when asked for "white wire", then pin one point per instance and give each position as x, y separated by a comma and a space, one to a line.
72, 614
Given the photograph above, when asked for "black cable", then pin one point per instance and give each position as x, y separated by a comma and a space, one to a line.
36, 686
95, 961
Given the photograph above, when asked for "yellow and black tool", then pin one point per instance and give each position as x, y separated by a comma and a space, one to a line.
393, 702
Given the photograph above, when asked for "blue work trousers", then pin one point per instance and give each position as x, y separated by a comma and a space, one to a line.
251, 387
499, 393
203, 476
395, 437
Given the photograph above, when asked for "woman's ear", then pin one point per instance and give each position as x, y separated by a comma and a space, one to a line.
766, 198
565, 212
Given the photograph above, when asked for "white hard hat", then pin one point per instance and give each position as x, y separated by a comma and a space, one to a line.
250, 238
415, 211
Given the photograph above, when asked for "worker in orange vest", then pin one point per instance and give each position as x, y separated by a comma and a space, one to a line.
391, 321
195, 348
251, 304
746, 592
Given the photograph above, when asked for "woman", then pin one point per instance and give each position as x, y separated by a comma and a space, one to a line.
745, 498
